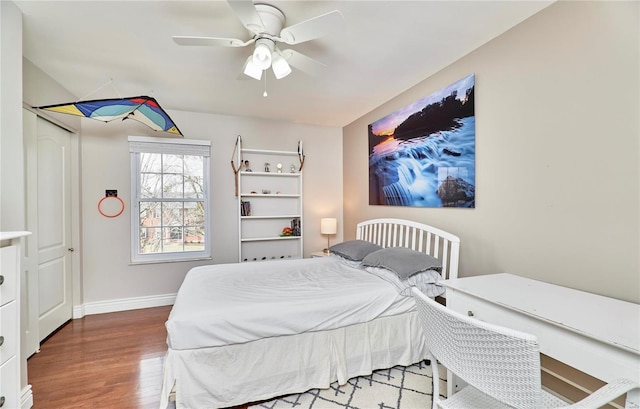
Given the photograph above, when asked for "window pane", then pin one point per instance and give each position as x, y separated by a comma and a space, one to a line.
173, 164
194, 239
150, 162
172, 239
150, 240
172, 214
150, 214
173, 186
194, 214
150, 185
193, 165
193, 186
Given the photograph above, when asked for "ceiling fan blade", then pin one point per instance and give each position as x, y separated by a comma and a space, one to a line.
211, 41
303, 63
248, 15
313, 28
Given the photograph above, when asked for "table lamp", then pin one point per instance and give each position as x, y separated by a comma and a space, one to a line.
328, 226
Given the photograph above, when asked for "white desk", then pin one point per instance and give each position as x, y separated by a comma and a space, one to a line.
594, 334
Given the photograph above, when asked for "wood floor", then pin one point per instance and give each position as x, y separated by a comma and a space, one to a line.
102, 361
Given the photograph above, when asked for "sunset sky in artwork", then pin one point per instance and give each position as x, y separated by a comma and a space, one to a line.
385, 126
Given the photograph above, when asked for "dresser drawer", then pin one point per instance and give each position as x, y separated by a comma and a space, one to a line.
468, 305
8, 331
8, 273
483, 310
9, 389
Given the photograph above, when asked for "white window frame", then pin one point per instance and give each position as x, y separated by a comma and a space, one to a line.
145, 144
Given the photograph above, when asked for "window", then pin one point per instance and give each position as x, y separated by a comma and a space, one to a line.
170, 199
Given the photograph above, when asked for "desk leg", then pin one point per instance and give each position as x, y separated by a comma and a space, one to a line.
454, 383
633, 399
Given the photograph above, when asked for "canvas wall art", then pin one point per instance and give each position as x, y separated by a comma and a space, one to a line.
424, 154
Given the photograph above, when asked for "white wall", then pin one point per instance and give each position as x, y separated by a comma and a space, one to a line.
557, 152
12, 206
107, 275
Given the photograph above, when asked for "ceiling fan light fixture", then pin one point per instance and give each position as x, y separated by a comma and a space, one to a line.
266, 23
280, 66
262, 54
252, 70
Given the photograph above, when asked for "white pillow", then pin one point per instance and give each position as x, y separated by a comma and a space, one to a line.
426, 281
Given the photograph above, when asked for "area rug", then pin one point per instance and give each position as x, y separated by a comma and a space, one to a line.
401, 387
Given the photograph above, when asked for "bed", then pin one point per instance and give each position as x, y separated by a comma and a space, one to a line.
248, 332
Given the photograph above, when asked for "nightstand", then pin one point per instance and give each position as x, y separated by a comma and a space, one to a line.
320, 254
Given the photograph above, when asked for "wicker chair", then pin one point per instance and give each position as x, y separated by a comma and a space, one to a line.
501, 366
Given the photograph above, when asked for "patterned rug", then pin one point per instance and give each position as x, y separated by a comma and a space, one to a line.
401, 387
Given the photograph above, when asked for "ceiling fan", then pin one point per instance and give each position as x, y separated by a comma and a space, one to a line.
266, 24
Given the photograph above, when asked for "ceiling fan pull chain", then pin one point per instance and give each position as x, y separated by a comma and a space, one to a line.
265, 85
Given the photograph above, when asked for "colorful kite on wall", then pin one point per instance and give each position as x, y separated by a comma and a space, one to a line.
143, 109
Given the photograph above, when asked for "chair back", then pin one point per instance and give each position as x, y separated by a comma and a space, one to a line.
502, 363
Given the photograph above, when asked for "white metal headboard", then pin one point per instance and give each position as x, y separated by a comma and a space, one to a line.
417, 236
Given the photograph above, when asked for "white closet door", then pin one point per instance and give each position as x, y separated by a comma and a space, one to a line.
55, 304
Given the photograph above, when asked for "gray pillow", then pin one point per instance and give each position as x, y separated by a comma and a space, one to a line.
354, 250
402, 261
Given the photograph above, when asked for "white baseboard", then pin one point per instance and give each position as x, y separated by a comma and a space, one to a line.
123, 304
26, 398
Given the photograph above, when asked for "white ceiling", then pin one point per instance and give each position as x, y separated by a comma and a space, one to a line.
386, 48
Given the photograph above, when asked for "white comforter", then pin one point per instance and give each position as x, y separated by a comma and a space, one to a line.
228, 304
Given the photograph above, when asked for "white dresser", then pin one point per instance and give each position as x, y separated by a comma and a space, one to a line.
10, 394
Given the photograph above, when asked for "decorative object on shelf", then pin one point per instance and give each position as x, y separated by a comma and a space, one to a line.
266, 167
300, 156
265, 258
295, 226
237, 169
328, 226
245, 208
266, 191
279, 167
292, 168
247, 168
287, 231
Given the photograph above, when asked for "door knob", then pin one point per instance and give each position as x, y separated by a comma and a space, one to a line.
71, 249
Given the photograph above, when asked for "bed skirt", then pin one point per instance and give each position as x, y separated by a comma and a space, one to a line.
220, 377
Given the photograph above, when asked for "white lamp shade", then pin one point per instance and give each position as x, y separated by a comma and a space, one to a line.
280, 67
328, 225
262, 56
251, 69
